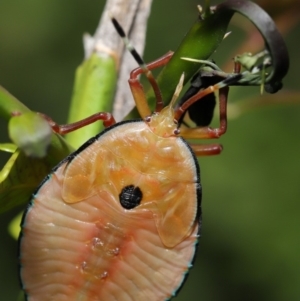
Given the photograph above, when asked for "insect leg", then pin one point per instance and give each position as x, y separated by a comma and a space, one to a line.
63, 129
206, 149
208, 132
136, 87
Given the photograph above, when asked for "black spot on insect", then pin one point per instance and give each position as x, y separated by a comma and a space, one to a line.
130, 196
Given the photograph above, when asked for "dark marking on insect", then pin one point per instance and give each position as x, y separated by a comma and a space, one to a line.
130, 196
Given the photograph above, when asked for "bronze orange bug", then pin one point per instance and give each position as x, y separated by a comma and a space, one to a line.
119, 218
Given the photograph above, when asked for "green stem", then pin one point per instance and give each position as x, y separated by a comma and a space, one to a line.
94, 88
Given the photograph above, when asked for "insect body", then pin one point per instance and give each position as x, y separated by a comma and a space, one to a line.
83, 244
119, 218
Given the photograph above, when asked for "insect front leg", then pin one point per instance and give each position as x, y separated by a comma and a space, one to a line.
63, 129
137, 89
208, 132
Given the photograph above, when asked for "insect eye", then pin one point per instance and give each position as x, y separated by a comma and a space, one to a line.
148, 118
130, 196
176, 132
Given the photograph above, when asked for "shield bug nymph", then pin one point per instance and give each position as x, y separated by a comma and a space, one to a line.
119, 218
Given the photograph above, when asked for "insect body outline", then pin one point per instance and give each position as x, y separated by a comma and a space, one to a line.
119, 218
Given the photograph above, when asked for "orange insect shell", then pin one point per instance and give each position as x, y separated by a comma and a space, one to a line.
79, 243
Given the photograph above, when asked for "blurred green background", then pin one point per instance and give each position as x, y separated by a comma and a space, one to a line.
250, 246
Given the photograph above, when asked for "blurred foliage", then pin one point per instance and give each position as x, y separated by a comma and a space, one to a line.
250, 246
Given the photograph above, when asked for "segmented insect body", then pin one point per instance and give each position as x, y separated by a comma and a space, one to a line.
80, 243
119, 218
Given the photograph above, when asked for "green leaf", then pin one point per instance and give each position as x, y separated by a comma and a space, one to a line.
8, 147
10, 105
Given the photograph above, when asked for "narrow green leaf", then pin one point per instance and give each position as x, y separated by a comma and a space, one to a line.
8, 147
9, 105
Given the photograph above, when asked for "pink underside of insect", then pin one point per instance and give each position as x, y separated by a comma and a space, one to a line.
78, 243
